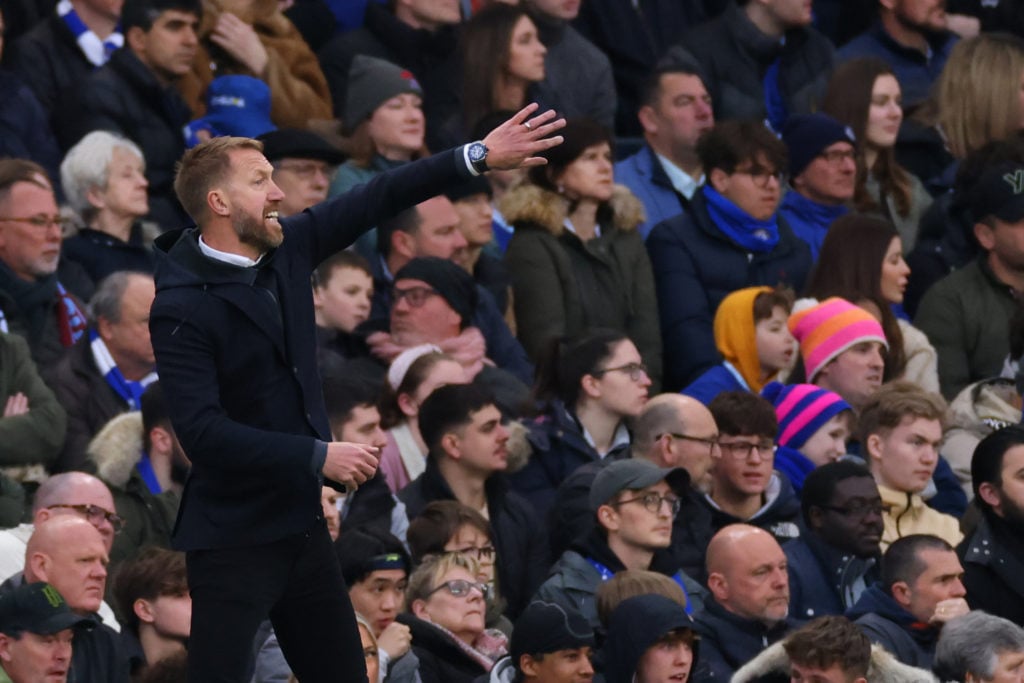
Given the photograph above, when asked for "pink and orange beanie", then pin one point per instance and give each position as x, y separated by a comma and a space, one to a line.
828, 328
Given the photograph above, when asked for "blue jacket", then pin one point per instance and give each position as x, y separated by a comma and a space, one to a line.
728, 641
821, 576
915, 71
809, 219
240, 372
715, 380
885, 622
695, 267
645, 176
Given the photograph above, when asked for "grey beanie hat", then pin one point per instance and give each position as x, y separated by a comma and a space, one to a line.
371, 83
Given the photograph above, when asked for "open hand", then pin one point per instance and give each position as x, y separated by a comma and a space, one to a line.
351, 464
515, 143
240, 40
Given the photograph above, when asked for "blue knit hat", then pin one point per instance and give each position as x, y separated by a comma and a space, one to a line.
802, 409
807, 136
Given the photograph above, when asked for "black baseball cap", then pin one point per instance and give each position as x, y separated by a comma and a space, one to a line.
999, 192
633, 474
37, 608
298, 144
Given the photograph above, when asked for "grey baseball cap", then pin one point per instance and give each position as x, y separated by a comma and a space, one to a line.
633, 474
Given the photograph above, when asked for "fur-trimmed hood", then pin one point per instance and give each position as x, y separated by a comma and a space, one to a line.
884, 667
529, 203
117, 448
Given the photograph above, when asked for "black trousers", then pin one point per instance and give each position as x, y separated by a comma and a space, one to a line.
298, 583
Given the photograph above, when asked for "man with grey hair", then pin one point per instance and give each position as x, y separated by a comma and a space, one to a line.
106, 374
980, 647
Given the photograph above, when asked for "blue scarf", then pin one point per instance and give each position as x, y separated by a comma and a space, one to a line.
810, 220
794, 465
738, 225
127, 389
95, 49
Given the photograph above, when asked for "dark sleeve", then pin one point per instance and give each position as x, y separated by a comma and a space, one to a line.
31, 60
502, 348
36, 436
950, 498
643, 327
941, 317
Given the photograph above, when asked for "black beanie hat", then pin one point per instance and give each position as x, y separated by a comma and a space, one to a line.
454, 284
545, 627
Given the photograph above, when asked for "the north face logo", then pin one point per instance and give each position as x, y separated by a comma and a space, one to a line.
1015, 180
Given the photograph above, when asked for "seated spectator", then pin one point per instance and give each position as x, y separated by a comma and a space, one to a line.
675, 110
473, 201
413, 376
967, 314
576, 258
822, 175
69, 553
304, 164
137, 455
351, 403
104, 178
841, 349
105, 375
371, 652
992, 552
633, 502
862, 261
836, 557
34, 303
462, 428
550, 644
981, 409
814, 426
900, 431
979, 647
152, 596
446, 618
590, 387
37, 628
57, 55
32, 423
651, 639
913, 39
763, 61
135, 95
865, 95
631, 583
749, 606
830, 649
342, 293
419, 36
744, 484
448, 526
255, 38
920, 591
731, 238
752, 336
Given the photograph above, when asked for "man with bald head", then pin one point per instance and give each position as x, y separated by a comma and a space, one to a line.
70, 554
679, 431
749, 607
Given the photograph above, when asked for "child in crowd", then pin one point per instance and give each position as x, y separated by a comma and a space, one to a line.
342, 290
752, 336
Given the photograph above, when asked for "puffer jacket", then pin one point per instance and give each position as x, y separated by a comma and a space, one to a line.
884, 668
977, 411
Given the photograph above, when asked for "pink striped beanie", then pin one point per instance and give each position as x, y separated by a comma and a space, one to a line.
826, 329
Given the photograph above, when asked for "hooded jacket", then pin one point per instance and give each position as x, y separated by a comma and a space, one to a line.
883, 668
778, 516
236, 354
907, 513
638, 624
886, 623
728, 641
980, 409
563, 286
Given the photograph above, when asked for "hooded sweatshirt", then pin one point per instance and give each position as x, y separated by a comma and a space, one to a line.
886, 623
637, 624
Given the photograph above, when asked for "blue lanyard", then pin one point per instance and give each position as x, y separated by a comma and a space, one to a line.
606, 574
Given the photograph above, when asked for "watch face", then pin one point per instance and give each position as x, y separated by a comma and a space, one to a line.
477, 152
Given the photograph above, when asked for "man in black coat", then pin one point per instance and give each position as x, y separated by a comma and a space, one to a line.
234, 334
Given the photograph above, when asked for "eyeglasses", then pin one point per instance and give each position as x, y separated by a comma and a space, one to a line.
741, 450
308, 170
652, 502
40, 221
635, 371
479, 553
95, 514
837, 156
859, 510
459, 588
416, 296
710, 442
761, 176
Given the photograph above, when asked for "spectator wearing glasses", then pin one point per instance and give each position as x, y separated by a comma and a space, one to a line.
836, 557
744, 484
732, 237
467, 455
304, 164
70, 554
446, 606
633, 502
591, 386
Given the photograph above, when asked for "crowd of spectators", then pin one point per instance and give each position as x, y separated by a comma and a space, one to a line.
728, 389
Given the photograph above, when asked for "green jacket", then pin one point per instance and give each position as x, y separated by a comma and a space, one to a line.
37, 436
966, 316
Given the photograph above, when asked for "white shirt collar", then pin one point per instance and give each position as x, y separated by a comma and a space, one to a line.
684, 183
226, 257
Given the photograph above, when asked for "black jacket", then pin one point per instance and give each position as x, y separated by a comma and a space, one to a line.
125, 97
441, 660
885, 622
993, 561
519, 537
101, 254
821, 576
779, 516
240, 372
728, 641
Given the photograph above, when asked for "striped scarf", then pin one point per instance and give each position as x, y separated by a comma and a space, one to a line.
127, 389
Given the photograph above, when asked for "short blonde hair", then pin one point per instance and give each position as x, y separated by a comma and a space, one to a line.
424, 579
203, 167
633, 582
887, 408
